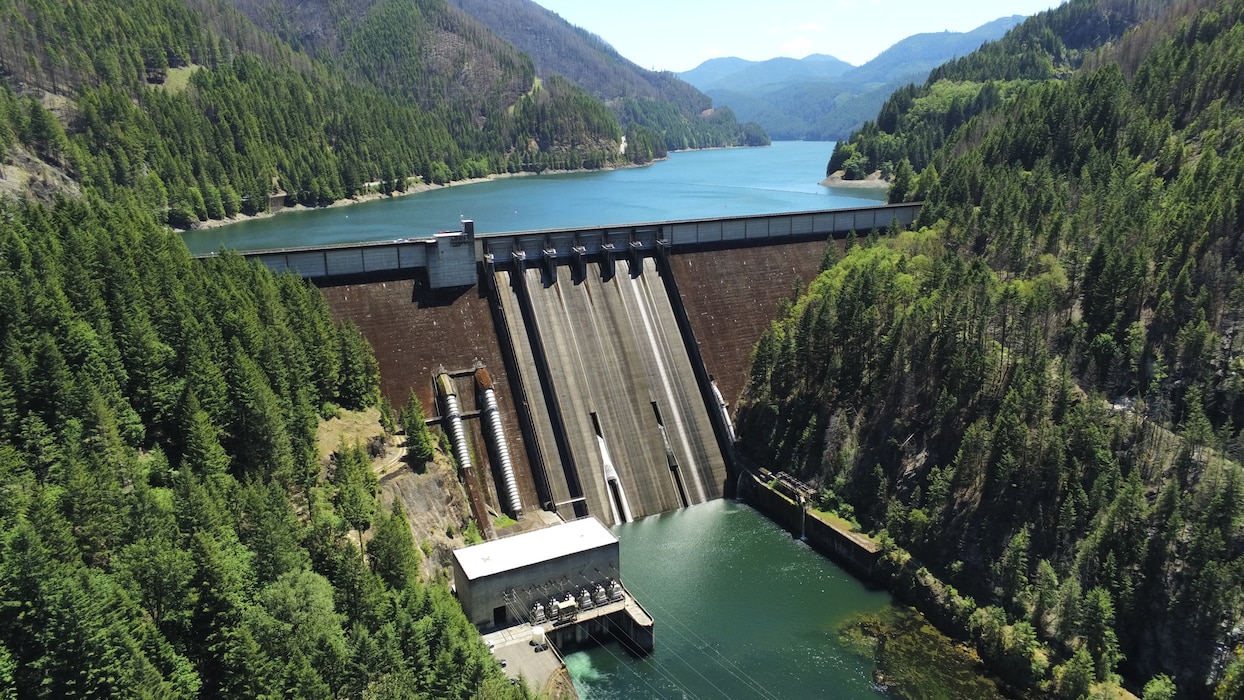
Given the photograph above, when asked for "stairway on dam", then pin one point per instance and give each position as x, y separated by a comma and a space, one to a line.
618, 418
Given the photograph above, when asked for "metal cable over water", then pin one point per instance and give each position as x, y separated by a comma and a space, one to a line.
697, 643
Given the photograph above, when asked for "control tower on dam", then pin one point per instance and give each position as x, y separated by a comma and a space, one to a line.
617, 416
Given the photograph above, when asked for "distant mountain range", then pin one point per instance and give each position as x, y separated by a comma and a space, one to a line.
822, 97
740, 74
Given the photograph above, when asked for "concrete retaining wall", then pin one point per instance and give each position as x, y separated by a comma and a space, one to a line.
346, 260
827, 538
731, 297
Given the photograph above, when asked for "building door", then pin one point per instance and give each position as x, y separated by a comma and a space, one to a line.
498, 615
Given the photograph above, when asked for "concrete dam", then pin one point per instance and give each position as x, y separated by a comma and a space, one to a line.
610, 355
619, 411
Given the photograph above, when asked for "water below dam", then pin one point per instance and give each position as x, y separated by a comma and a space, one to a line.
689, 185
744, 610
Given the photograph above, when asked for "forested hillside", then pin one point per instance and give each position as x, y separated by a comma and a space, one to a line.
918, 120
167, 527
208, 114
1037, 394
660, 112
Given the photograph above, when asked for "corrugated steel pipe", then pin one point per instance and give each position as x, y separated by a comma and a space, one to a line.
453, 419
492, 419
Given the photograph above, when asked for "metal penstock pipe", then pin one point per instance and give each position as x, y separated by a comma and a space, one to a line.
492, 418
453, 417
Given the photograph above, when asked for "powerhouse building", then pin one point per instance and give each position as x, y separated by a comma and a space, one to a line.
495, 580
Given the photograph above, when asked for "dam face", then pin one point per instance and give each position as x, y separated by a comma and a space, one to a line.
618, 418
609, 352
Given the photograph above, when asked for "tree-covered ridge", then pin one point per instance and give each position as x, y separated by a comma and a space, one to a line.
59, 46
555, 46
245, 130
208, 115
656, 106
1038, 394
919, 119
167, 527
450, 64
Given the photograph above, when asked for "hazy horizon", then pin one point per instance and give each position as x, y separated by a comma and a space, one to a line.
660, 35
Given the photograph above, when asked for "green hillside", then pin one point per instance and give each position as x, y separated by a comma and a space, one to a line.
918, 120
1037, 394
167, 529
208, 113
660, 112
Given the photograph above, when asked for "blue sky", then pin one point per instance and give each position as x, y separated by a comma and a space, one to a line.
679, 35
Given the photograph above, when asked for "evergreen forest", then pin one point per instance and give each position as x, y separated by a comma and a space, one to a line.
1034, 397
211, 108
168, 529
660, 112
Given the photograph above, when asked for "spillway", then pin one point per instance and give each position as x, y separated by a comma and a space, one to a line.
620, 424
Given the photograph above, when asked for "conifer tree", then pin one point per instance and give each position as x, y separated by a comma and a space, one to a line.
419, 441
392, 548
356, 486
360, 375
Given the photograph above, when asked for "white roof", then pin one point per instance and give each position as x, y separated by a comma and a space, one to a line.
517, 551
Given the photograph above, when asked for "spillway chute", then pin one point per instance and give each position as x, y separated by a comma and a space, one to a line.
595, 351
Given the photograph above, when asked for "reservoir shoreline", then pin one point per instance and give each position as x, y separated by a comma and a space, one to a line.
700, 184
418, 188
